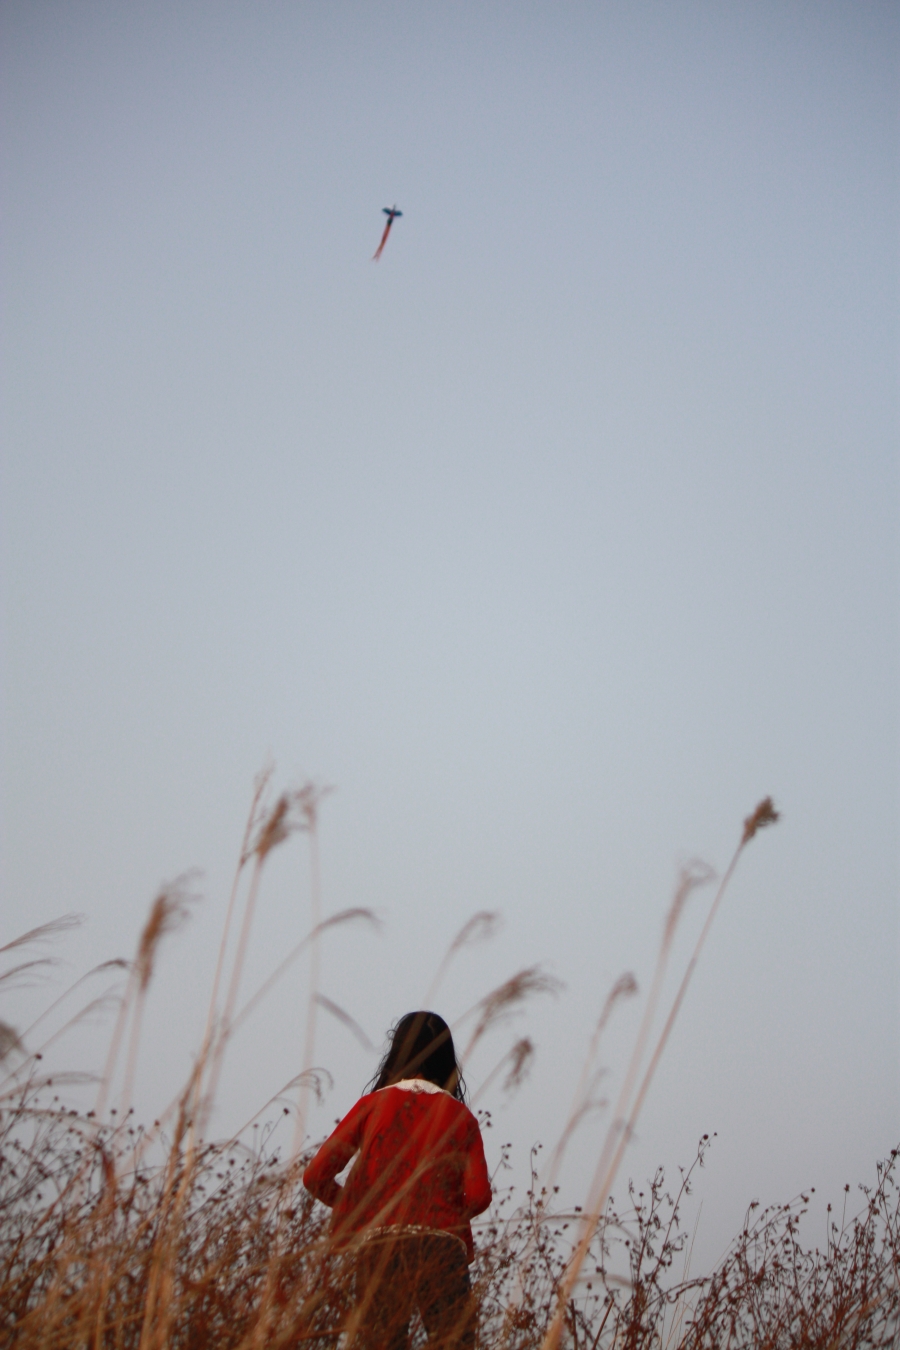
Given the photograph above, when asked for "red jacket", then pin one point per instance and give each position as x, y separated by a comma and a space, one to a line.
420, 1161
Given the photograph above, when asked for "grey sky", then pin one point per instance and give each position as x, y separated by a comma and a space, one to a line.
554, 540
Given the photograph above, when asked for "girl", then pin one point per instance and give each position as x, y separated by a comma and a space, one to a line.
418, 1178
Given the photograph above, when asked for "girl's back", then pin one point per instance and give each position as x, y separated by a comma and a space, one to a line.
420, 1163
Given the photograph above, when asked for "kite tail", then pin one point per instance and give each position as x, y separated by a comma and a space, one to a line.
387, 229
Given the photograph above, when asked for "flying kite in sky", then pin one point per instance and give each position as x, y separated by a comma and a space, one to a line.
392, 213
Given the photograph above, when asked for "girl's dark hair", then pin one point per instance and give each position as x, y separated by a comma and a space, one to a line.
421, 1046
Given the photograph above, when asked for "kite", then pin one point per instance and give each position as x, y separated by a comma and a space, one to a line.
392, 213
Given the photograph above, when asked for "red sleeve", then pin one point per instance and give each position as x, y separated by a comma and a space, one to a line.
334, 1155
476, 1181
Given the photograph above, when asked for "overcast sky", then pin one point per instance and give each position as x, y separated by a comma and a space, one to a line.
554, 540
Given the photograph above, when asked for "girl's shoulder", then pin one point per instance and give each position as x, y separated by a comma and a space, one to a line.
427, 1097
422, 1092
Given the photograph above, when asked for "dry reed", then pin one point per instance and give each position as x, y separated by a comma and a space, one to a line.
115, 1238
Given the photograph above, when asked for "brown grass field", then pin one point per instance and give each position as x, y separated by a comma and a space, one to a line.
118, 1238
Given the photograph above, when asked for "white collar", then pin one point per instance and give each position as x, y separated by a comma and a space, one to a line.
415, 1085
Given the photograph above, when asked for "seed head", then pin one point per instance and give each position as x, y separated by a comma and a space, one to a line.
520, 1056
765, 814
9, 1041
168, 911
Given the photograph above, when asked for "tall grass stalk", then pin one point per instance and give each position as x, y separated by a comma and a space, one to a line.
310, 798
622, 1126
200, 1112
